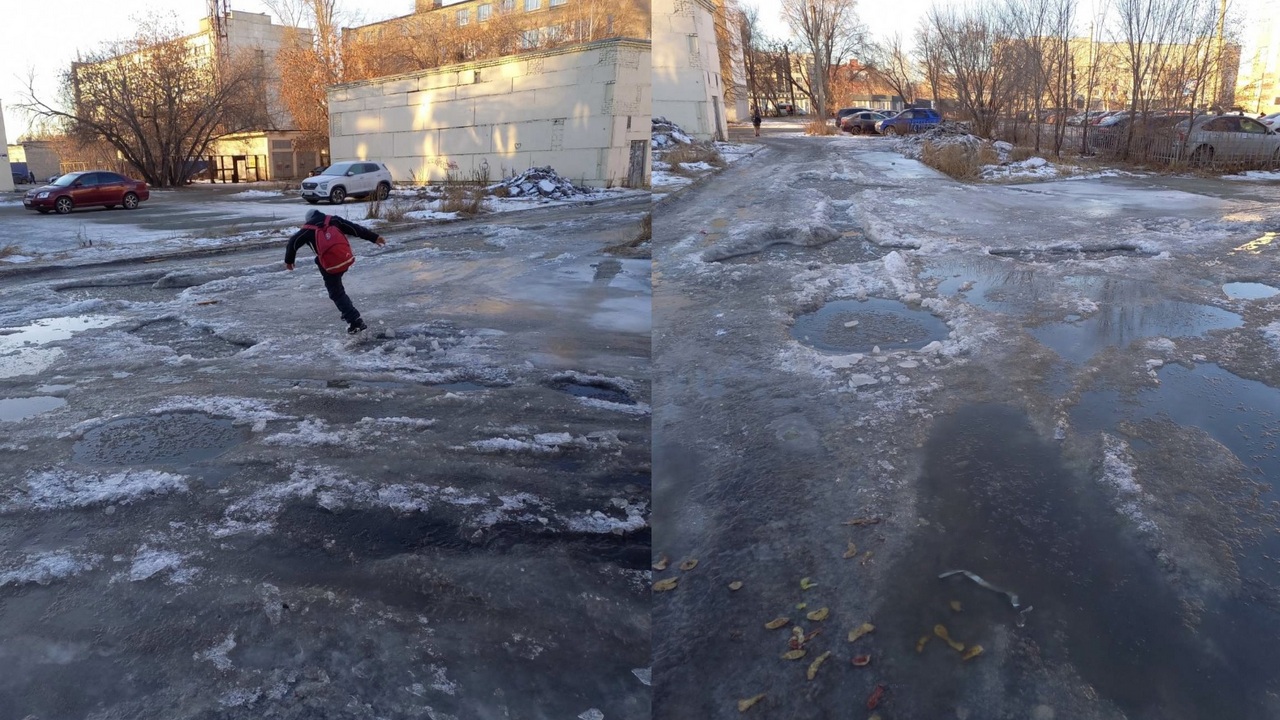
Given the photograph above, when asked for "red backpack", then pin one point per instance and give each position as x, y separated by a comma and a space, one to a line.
332, 248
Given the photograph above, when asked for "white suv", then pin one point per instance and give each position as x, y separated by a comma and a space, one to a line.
354, 178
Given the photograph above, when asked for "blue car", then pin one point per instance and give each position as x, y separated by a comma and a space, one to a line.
909, 121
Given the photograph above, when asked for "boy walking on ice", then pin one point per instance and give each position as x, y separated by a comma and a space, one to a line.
326, 236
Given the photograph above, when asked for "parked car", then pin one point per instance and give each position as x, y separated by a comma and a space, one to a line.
87, 189
316, 170
862, 122
786, 109
1272, 121
843, 112
1084, 118
1227, 139
1152, 136
357, 178
909, 121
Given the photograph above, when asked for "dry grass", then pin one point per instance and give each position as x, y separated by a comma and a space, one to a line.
681, 155
398, 208
465, 195
1019, 154
958, 161
373, 208
638, 247
820, 127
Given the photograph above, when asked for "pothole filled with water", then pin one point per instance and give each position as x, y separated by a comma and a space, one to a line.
167, 439
186, 340
595, 390
847, 326
1243, 415
21, 348
13, 409
1249, 290
1116, 324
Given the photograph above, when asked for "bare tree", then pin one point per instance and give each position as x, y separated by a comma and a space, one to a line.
159, 99
932, 61
893, 66
728, 18
830, 33
977, 58
309, 63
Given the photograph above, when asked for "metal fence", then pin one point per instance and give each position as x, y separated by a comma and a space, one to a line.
1155, 141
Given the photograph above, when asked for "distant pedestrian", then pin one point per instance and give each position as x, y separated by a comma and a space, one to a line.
756, 119
326, 236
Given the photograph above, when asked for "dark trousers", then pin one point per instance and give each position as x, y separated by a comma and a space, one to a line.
338, 294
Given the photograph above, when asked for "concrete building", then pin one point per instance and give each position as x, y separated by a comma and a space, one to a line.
583, 110
6, 172
687, 87
1258, 84
269, 153
738, 107
41, 158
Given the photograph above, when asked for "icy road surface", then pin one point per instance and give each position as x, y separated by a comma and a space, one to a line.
214, 503
868, 375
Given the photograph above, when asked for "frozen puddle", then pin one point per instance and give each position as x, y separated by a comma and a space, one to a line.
1003, 502
1249, 290
21, 348
177, 439
597, 392
848, 326
13, 409
1243, 415
1120, 323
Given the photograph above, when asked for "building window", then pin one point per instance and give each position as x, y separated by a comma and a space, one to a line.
484, 12
528, 39
557, 3
506, 5
464, 17
532, 5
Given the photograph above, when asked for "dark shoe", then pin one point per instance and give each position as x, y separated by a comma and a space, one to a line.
356, 327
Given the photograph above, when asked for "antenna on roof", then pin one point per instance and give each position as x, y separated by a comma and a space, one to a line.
219, 13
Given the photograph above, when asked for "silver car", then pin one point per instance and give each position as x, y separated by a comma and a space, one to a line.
358, 179
1228, 139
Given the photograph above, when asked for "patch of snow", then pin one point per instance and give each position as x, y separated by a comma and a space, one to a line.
242, 411
60, 488
1117, 473
45, 568
660, 179
1255, 176
218, 653
149, 562
258, 194
600, 523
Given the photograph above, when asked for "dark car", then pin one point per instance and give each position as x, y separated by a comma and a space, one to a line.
909, 121
87, 189
862, 122
318, 170
22, 175
842, 112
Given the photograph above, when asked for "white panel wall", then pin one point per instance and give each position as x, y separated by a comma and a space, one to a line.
6, 171
686, 67
568, 109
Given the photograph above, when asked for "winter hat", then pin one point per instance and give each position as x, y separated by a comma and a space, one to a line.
314, 217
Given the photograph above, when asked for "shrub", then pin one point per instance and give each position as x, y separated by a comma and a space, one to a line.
693, 153
465, 195
1019, 154
962, 162
818, 126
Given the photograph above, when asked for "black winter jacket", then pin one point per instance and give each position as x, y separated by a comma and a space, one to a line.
306, 236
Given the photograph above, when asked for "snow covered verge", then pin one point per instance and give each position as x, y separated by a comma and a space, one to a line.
679, 160
951, 149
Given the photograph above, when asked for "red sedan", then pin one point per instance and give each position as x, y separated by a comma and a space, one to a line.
87, 189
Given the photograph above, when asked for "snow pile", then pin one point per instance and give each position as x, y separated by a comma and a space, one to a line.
666, 134
541, 182
44, 568
943, 135
242, 411
1031, 168
1255, 175
257, 194
54, 489
598, 522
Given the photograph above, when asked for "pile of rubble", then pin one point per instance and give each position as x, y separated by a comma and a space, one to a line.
540, 181
666, 134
